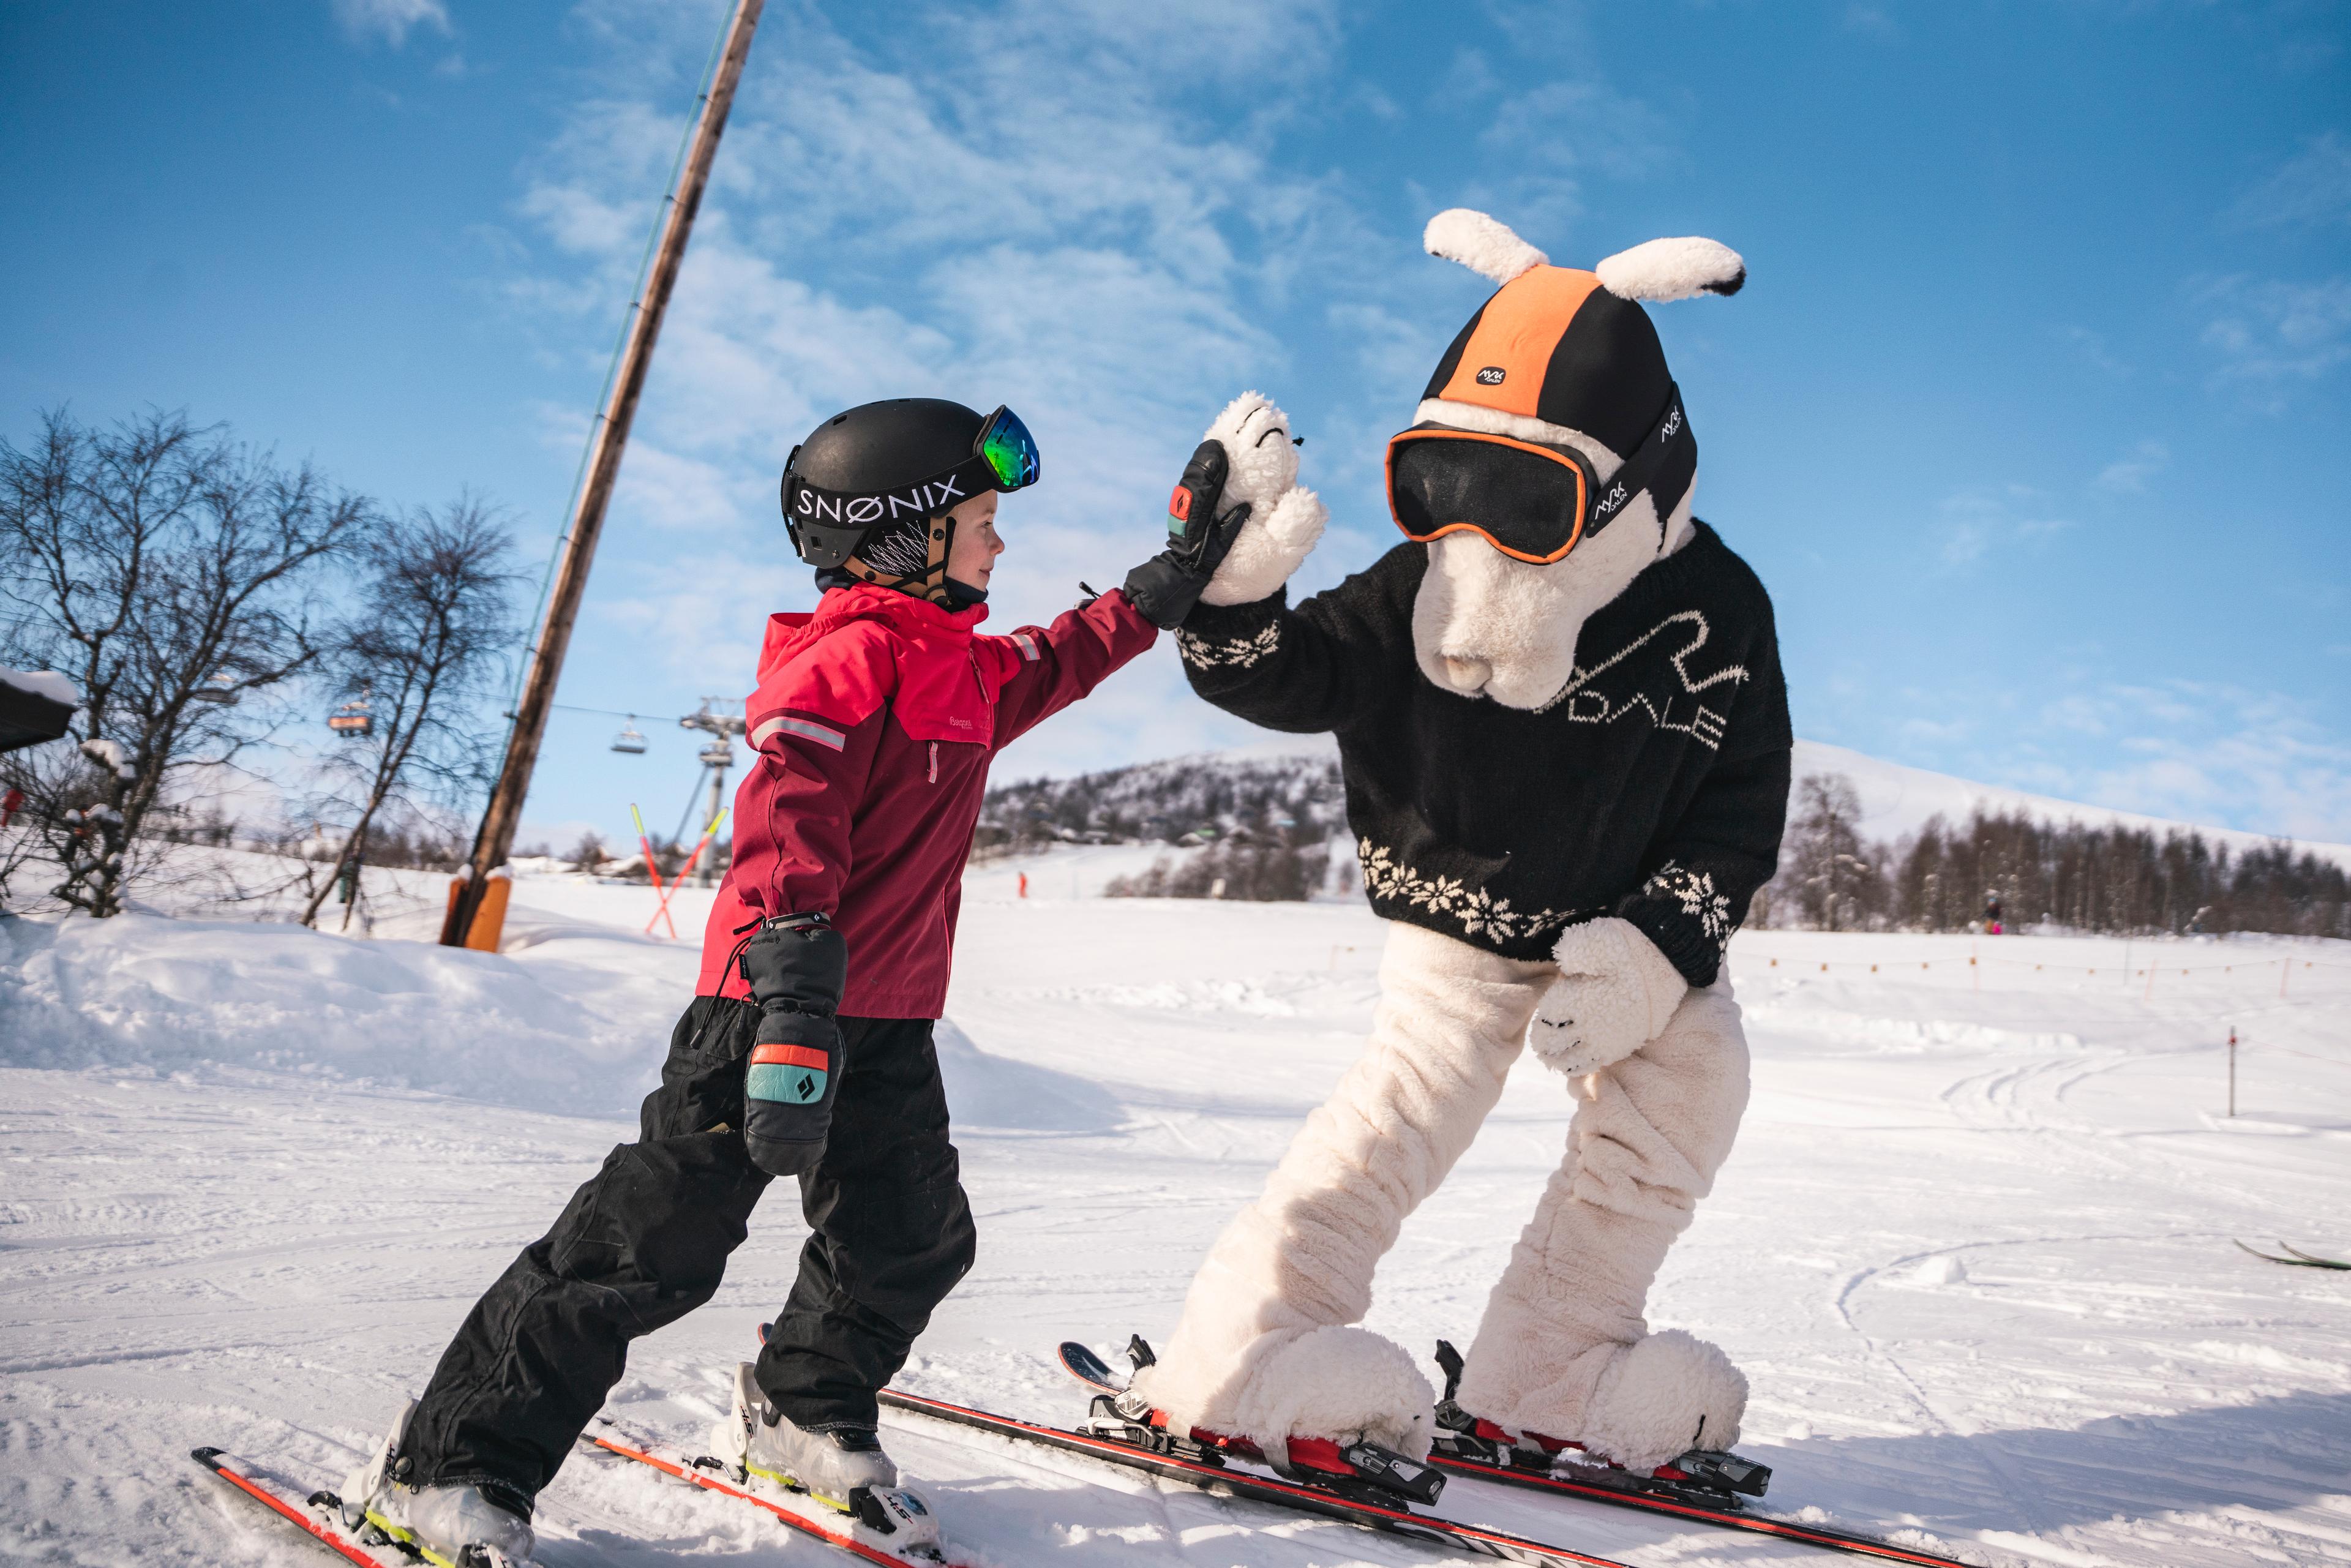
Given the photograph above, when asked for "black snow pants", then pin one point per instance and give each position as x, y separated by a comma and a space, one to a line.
645, 1241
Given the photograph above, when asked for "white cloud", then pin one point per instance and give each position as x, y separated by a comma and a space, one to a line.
2217, 753
2313, 188
1871, 21
2270, 331
389, 19
1978, 521
2128, 474
2092, 346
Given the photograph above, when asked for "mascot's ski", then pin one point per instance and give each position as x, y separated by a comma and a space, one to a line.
1210, 1474
322, 1515
1459, 1453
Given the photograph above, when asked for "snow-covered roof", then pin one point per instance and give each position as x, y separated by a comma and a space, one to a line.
42, 684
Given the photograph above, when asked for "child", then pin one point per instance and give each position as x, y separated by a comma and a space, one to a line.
806, 1051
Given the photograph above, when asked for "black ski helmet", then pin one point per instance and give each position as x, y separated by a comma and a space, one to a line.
890, 463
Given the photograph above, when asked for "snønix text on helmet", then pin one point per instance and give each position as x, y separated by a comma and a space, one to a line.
921, 501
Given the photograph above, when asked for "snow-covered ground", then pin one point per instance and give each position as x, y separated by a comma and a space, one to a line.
1973, 1250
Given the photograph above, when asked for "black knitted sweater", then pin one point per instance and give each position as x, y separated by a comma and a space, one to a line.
1654, 787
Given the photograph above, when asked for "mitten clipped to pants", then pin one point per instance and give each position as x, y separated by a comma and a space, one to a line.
795, 967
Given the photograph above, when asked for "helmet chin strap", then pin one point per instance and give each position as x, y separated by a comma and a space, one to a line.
931, 583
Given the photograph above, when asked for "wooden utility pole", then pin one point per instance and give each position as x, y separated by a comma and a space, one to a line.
494, 840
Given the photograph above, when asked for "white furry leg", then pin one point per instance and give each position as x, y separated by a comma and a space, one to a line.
1564, 1349
1262, 1350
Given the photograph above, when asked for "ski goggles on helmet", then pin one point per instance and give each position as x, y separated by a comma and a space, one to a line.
827, 525
1533, 501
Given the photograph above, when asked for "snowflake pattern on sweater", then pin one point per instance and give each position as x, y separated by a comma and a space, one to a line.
1231, 652
1477, 912
1694, 891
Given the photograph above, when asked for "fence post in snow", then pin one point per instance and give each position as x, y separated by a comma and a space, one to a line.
2232, 1071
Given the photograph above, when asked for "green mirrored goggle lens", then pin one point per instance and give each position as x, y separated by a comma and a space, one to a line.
1010, 451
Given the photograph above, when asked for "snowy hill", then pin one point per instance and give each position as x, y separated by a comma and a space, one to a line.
1303, 771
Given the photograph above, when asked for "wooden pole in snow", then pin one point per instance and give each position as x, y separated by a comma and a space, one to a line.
494, 840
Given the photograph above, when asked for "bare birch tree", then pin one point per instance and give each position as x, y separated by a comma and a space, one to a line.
167, 571
434, 622
1837, 884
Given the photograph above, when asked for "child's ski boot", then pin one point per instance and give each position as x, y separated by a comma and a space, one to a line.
453, 1526
845, 1469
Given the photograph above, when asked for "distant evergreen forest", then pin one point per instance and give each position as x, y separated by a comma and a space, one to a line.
1262, 828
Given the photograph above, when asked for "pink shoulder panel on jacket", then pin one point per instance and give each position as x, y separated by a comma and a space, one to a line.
837, 671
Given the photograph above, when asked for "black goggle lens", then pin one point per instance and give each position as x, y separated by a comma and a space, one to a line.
1526, 502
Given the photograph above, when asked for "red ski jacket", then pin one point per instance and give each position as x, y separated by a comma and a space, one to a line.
874, 721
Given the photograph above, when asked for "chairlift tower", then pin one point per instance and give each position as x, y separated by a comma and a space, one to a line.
715, 759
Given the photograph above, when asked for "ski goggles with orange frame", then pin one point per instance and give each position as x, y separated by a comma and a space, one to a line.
1531, 501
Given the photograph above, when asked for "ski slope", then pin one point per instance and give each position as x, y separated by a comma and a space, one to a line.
1973, 1250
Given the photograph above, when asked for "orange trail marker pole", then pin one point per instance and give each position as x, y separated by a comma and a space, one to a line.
652, 869
683, 872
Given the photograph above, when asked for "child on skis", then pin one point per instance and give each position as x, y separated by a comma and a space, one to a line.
807, 1051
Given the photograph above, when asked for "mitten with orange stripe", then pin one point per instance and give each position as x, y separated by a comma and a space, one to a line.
795, 967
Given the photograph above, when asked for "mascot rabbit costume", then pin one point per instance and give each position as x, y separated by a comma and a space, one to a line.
1565, 746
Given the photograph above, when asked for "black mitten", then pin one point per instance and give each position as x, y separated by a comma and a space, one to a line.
796, 966
1165, 587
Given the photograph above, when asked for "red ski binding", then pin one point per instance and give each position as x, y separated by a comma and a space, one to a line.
1361, 1471
1707, 1476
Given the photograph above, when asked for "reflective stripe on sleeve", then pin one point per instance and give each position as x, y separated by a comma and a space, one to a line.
1028, 645
807, 730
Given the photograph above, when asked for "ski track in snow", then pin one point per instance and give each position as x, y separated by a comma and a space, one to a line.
1972, 1250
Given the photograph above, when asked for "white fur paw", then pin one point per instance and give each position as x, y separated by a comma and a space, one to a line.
1341, 1384
1616, 993
1665, 1396
1263, 460
1268, 552
1583, 1024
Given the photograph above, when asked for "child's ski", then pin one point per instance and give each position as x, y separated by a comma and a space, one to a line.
1211, 1474
322, 1515
894, 1517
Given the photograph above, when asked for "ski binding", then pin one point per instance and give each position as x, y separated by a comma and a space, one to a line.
1360, 1471
1707, 1476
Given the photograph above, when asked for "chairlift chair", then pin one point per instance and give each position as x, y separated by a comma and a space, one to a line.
629, 739
352, 721
221, 688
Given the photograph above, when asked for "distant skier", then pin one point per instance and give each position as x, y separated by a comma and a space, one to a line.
1565, 744
1992, 913
807, 1050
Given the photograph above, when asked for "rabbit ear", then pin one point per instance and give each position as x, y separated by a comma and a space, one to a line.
1666, 270
1480, 244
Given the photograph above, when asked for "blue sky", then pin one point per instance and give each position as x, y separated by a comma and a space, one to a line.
2032, 417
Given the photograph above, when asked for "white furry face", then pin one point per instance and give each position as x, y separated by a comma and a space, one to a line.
1487, 625
1264, 463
